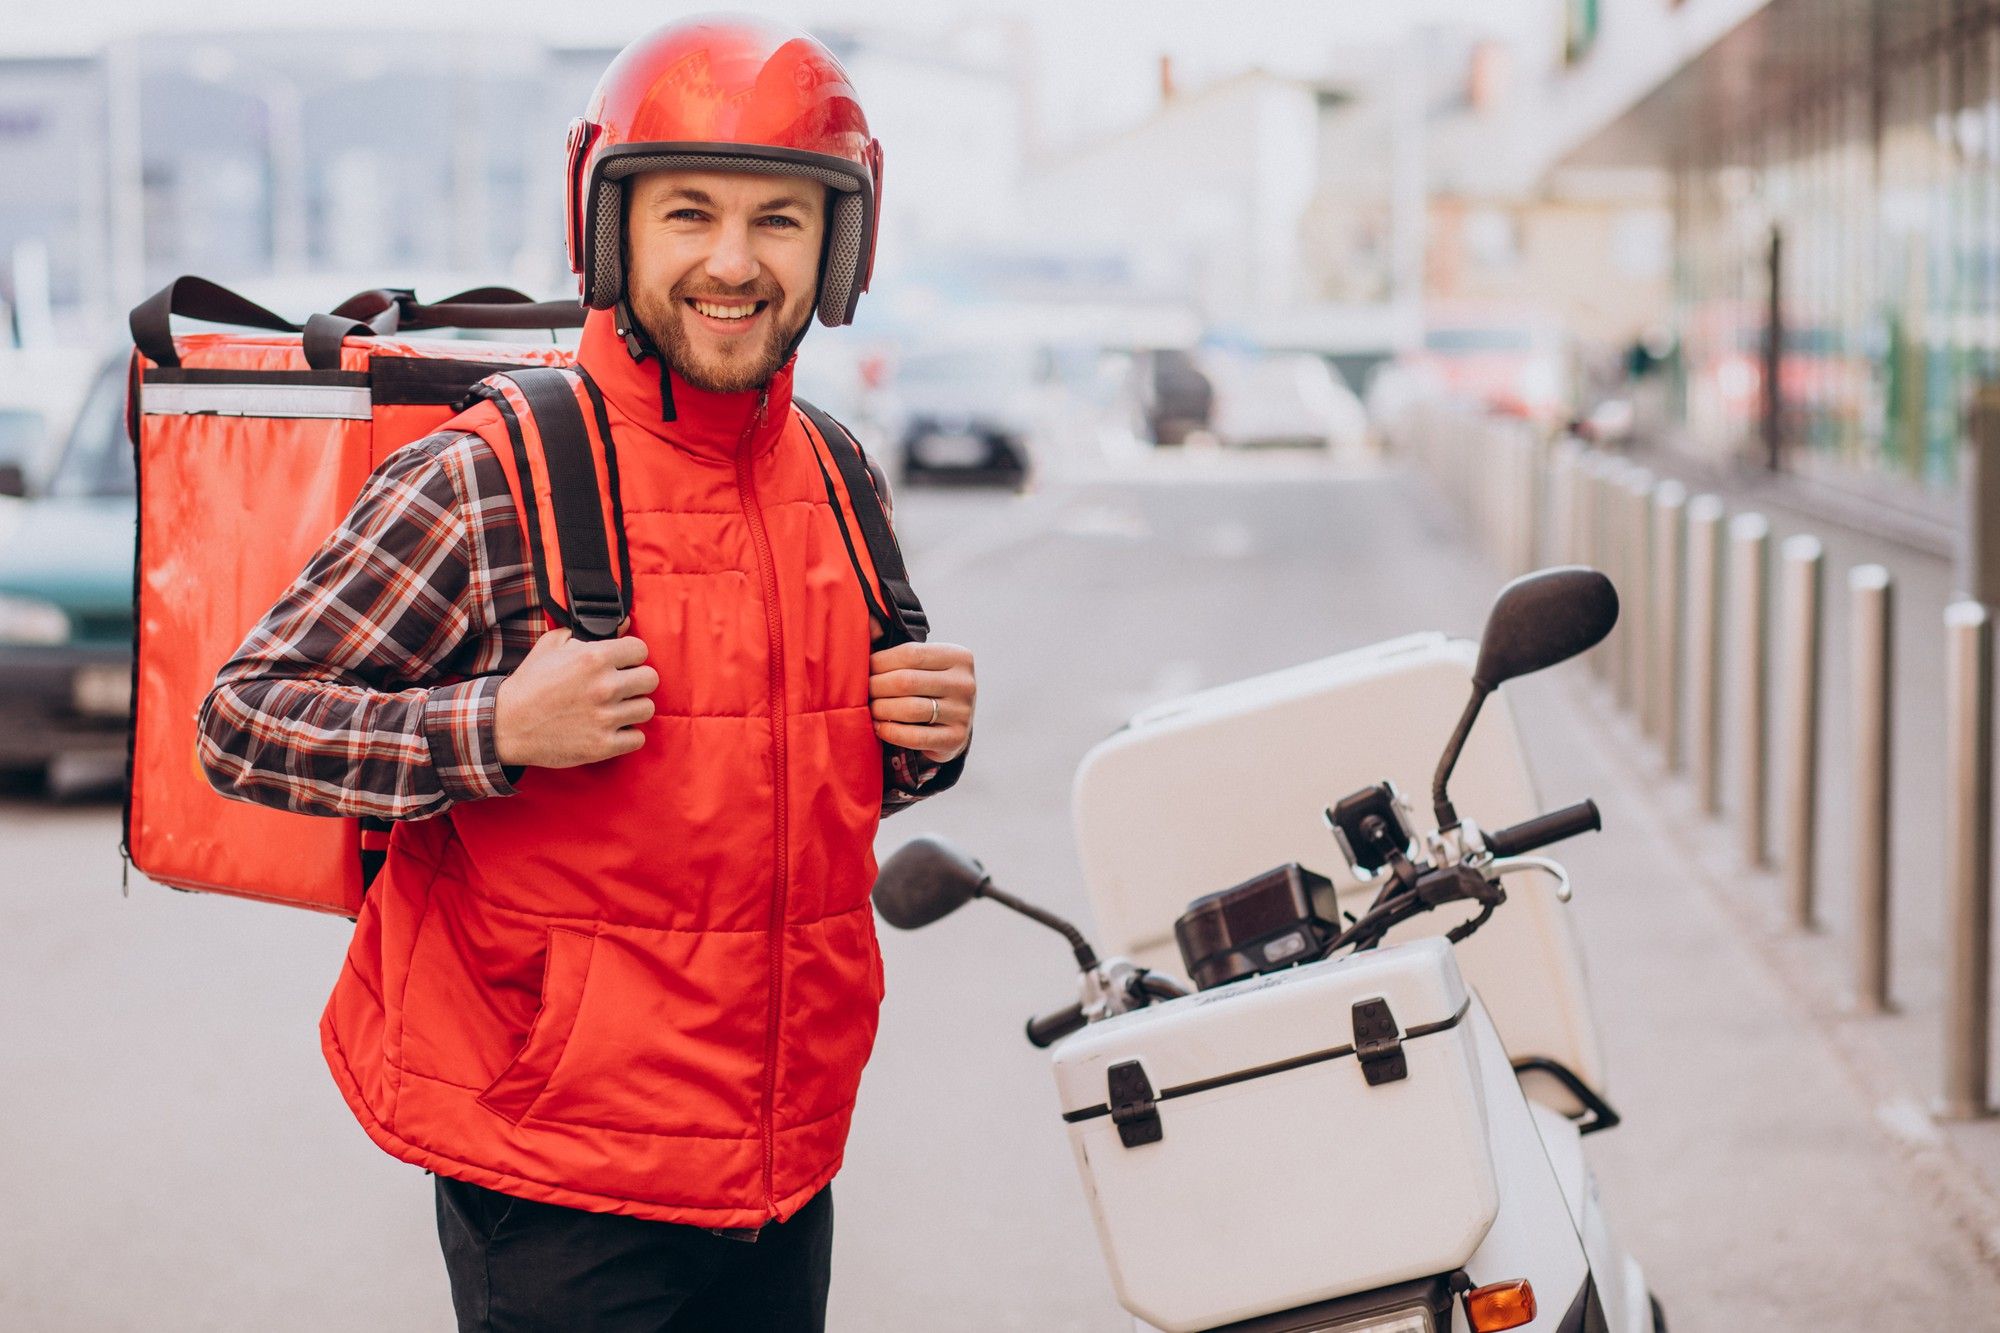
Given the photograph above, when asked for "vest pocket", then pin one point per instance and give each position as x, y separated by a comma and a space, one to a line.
514, 1092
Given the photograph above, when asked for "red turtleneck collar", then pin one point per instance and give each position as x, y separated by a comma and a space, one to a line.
711, 425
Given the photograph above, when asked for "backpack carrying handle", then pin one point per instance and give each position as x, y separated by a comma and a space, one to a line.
391, 309
194, 298
377, 312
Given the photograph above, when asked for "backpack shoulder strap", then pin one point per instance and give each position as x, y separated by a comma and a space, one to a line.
555, 469
903, 619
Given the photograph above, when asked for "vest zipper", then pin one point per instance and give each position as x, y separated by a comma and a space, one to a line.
746, 485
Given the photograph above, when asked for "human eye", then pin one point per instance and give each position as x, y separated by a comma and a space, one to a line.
782, 222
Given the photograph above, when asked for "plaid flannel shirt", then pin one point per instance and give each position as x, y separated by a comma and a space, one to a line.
369, 688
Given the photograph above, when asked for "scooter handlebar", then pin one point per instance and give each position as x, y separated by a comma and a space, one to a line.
1524, 837
1047, 1029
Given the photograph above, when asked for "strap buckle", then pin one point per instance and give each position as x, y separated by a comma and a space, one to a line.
595, 617
909, 611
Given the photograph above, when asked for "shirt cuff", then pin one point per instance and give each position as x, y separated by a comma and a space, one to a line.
914, 776
458, 725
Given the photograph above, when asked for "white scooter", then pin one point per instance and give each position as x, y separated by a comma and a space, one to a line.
1330, 1134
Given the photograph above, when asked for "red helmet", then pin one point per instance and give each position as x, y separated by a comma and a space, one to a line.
723, 93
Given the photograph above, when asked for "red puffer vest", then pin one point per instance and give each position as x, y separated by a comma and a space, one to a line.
648, 985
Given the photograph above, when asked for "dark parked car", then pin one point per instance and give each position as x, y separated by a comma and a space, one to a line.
966, 415
66, 595
1176, 398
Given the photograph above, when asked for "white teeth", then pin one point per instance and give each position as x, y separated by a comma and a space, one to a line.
725, 311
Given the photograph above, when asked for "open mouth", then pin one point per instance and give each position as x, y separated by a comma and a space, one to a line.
726, 312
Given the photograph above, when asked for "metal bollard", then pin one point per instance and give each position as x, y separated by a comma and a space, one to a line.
1528, 499
1804, 579
1534, 502
1492, 473
1611, 559
1526, 529
1556, 462
1969, 845
1750, 565
1597, 546
1704, 645
1637, 510
1565, 465
1871, 597
1580, 552
1663, 713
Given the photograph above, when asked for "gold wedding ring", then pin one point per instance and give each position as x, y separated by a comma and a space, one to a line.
934, 714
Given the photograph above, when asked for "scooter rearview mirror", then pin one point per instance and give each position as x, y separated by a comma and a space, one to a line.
1544, 618
924, 880
1538, 620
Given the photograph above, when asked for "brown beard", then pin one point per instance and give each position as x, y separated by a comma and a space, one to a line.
666, 323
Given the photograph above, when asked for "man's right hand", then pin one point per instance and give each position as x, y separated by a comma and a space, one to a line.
572, 702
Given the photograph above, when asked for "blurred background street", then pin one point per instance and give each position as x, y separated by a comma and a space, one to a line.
1204, 341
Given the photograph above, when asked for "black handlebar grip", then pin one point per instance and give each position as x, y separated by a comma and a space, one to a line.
1526, 836
1048, 1029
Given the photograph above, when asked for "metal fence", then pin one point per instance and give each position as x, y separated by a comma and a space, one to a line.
1713, 618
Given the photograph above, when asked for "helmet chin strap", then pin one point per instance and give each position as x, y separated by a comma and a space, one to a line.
792, 347
639, 344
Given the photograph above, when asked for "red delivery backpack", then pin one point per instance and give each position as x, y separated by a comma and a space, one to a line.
250, 449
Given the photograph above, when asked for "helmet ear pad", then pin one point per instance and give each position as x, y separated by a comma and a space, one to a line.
849, 224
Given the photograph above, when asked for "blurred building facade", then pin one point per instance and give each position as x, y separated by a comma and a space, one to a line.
1835, 180
262, 159
292, 163
1379, 208
1216, 197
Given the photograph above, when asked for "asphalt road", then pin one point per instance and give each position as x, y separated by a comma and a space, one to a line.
178, 1158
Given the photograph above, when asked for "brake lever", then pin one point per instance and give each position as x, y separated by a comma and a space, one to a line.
1510, 864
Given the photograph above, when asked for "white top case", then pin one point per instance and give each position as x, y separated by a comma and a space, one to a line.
1206, 791
1326, 1184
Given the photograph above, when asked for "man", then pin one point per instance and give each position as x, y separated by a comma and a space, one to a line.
617, 978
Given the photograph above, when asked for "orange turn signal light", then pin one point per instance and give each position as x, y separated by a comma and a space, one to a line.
1500, 1305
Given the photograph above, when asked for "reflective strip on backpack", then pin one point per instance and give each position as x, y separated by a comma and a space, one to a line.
336, 401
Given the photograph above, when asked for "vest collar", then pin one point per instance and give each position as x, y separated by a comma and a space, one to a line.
709, 425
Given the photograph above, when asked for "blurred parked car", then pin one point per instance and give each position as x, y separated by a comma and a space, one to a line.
66, 596
965, 416
40, 390
1174, 395
1284, 398
1519, 366
24, 432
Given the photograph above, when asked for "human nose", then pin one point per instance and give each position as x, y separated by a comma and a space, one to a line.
731, 262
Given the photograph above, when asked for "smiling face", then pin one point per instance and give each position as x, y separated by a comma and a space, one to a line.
722, 269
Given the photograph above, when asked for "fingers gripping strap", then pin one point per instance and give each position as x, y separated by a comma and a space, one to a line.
594, 603
906, 616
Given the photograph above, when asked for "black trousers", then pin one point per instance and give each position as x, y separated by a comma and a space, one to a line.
518, 1266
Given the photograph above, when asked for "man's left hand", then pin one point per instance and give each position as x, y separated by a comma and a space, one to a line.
922, 697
